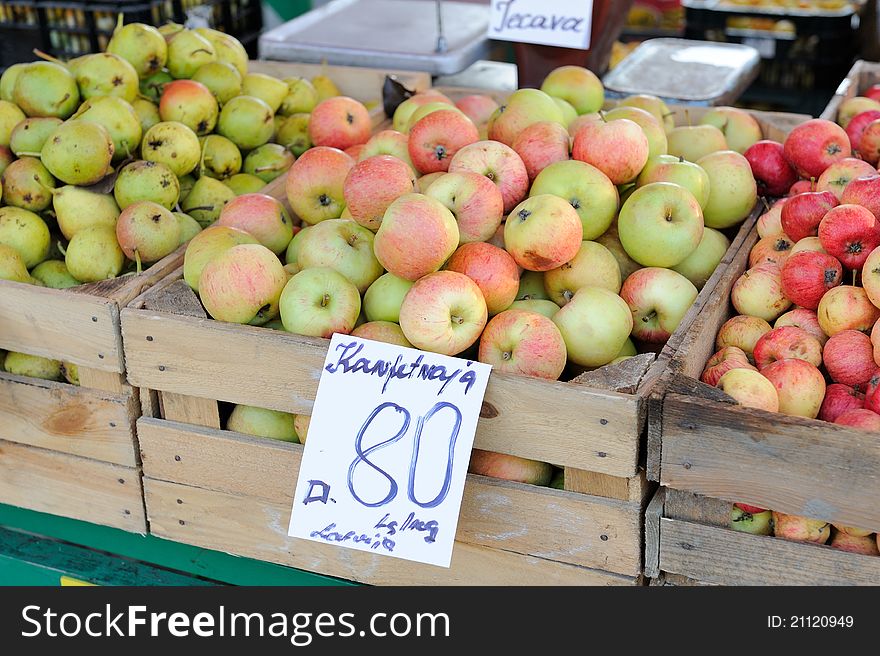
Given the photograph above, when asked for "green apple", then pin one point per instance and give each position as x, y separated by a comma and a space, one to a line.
531, 286
855, 105
593, 266
740, 128
694, 141
732, 189
577, 85
538, 305
262, 422
523, 107
208, 244
611, 240
319, 302
668, 168
758, 524
653, 129
699, 266
343, 245
658, 298
593, 196
595, 325
569, 113
651, 104
383, 298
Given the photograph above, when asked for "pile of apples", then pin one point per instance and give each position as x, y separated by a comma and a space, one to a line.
543, 236
113, 160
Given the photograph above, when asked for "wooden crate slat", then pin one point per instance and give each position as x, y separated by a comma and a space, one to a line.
862, 75
554, 525
256, 528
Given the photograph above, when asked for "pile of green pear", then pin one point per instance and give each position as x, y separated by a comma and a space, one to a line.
111, 161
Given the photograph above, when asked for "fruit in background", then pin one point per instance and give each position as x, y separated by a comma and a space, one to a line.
44, 88
443, 312
221, 78
477, 107
854, 106
808, 275
474, 200
243, 183
653, 129
187, 52
861, 418
405, 110
813, 146
510, 468
727, 359
262, 216
774, 248
589, 191
740, 129
120, 120
651, 104
872, 92
268, 161
699, 266
531, 286
523, 107
12, 266
54, 274
803, 318
803, 213
372, 185
220, 157
611, 240
871, 276
838, 399
693, 142
228, 48
301, 97
851, 530
849, 233
809, 244
750, 389
543, 232
342, 245
569, 113
262, 423
94, 254
6, 158
787, 342
207, 245
142, 180
864, 191
151, 86
743, 332
592, 266
732, 189
28, 185
617, 148
658, 298
382, 331
383, 298
773, 174
525, 343
32, 366
388, 142
538, 305
492, 268
846, 308
339, 122
800, 529
77, 208
667, 168
315, 184
189, 227
78, 152
500, 164
799, 384
757, 523
837, 176
758, 292
418, 234
595, 325
435, 139
857, 125
147, 232
802, 186
869, 143
206, 200
7, 81
10, 117
26, 232
147, 113
143, 46
865, 545
174, 145
270, 90
872, 393
542, 144
190, 103
243, 284
660, 224
248, 122
576, 85
28, 137
293, 134
849, 358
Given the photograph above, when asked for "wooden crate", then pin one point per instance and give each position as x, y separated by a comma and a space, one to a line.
861, 76
688, 542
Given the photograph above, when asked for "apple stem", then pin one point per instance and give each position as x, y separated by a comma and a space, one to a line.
766, 204
812, 184
854, 277
602, 116
137, 260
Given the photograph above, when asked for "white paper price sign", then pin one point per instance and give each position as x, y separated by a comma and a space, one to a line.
563, 23
389, 444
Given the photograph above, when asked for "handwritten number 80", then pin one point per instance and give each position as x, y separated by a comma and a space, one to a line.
362, 454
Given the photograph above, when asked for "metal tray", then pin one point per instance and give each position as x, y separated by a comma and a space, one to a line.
729, 7
683, 71
397, 34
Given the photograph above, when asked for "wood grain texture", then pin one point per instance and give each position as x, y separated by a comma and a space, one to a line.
653, 513
149, 403
727, 557
68, 419
537, 521
70, 486
189, 409
550, 421
679, 504
634, 489
256, 528
106, 381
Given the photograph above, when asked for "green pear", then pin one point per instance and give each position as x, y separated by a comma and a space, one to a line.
45, 88
119, 118
10, 116
301, 97
77, 208
7, 81
268, 161
174, 145
143, 180
221, 78
186, 183
262, 423
147, 113
187, 52
142, 46
221, 158
94, 254
32, 366
105, 74
12, 266
244, 183
247, 121
25, 232
228, 49
189, 227
78, 152
28, 185
54, 274
206, 200
293, 133
28, 137
270, 90
151, 87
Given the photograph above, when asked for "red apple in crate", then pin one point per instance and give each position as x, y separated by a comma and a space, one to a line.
865, 545
653, 129
802, 186
803, 318
658, 298
871, 276
872, 92
809, 244
444, 312
728, 358
590, 192
860, 418
500, 164
355, 151
851, 530
773, 174
388, 142
261, 216
799, 384
319, 302
800, 529
492, 268
732, 189
382, 331
523, 107
773, 248
869, 142
418, 234
750, 389
617, 148
315, 184
522, 342
864, 191
581, 121
806, 276
477, 107
803, 213
854, 106
750, 509
207, 245
788, 342
857, 125
743, 332
770, 222
339, 122
435, 139
872, 393
875, 340
373, 184
837, 176
813, 146
593, 266
510, 468
474, 201
541, 144
543, 232
838, 399
759, 523
758, 292
595, 325
849, 358
846, 308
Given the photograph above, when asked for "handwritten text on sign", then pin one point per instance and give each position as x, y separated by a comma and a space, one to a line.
563, 23
389, 443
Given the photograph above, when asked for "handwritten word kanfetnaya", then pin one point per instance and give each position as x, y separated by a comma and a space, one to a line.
348, 362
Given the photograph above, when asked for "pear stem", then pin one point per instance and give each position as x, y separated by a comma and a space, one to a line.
137, 260
62, 249
42, 55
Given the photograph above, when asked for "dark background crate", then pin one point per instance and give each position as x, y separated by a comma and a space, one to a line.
243, 19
